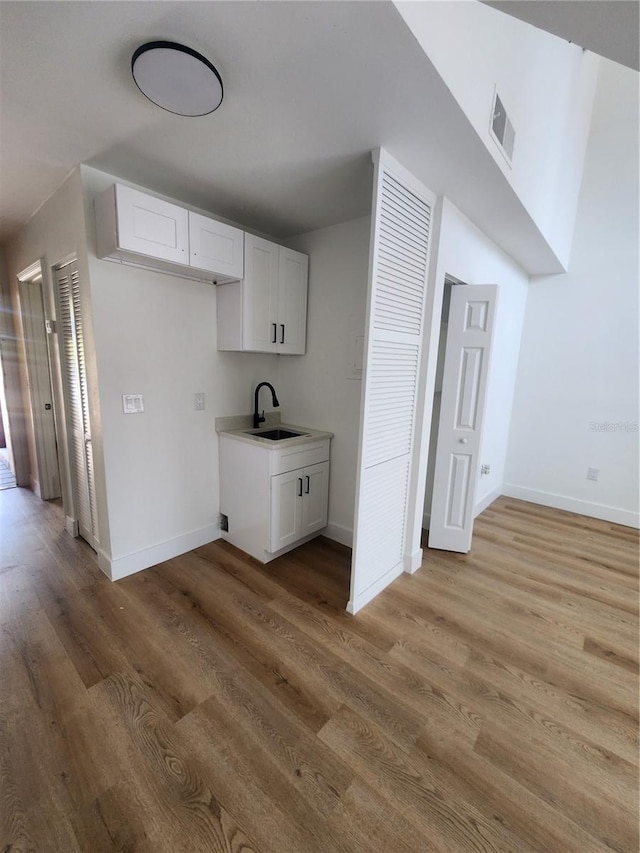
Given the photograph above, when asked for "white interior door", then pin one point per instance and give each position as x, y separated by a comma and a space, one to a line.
46, 480
399, 261
464, 382
77, 401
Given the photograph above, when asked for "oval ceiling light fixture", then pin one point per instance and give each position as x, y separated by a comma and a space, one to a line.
177, 78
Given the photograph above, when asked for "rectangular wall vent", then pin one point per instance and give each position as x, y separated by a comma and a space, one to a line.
501, 128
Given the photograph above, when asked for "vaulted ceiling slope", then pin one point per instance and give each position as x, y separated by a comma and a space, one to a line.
310, 89
609, 28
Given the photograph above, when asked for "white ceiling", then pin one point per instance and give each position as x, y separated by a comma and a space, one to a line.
310, 89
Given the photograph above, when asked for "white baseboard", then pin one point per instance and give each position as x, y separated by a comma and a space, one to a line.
121, 567
486, 501
34, 485
601, 511
376, 588
71, 526
412, 562
343, 535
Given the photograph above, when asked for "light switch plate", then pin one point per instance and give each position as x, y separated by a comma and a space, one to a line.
132, 404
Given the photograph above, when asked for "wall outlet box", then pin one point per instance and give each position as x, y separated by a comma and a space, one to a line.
592, 474
485, 469
198, 401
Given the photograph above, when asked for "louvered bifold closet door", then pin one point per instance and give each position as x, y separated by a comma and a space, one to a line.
77, 399
395, 322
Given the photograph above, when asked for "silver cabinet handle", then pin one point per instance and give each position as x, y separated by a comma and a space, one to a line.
464, 441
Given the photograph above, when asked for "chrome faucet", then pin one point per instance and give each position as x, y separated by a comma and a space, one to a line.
257, 417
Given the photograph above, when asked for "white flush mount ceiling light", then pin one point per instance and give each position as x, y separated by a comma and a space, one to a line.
177, 78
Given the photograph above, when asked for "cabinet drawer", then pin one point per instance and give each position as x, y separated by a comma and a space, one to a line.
299, 456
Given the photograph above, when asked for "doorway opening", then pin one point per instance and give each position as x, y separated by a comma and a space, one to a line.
43, 452
7, 465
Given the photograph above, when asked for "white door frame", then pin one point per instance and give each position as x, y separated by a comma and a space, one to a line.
46, 480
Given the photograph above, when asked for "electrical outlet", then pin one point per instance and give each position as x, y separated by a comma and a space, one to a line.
592, 474
485, 469
198, 401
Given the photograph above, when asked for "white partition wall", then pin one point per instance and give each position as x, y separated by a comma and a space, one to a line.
398, 267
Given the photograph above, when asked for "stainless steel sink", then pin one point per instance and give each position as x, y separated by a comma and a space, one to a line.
276, 434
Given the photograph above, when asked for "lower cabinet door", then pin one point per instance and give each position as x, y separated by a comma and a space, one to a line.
315, 498
286, 509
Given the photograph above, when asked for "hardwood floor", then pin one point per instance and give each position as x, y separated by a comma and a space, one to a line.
489, 702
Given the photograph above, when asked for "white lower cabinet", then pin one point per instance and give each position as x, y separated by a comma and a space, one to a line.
299, 503
274, 497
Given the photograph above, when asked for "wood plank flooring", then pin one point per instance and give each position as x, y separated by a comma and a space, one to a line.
487, 703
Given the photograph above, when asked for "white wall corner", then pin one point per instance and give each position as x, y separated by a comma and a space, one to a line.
104, 563
129, 564
593, 510
486, 501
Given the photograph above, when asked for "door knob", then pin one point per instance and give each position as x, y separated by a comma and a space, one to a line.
464, 441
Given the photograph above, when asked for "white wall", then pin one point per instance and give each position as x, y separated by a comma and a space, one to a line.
155, 334
546, 85
579, 359
10, 392
465, 253
315, 390
54, 232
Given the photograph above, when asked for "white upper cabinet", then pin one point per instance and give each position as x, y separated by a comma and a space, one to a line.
293, 273
215, 246
267, 311
151, 226
138, 228
259, 295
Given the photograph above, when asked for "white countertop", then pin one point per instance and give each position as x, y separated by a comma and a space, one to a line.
248, 435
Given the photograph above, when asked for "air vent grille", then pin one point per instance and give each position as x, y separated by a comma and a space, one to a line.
501, 128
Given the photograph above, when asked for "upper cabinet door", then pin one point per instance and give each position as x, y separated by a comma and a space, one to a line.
216, 247
150, 226
293, 274
260, 294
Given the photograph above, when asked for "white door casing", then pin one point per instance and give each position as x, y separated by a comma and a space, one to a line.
396, 301
71, 336
464, 383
